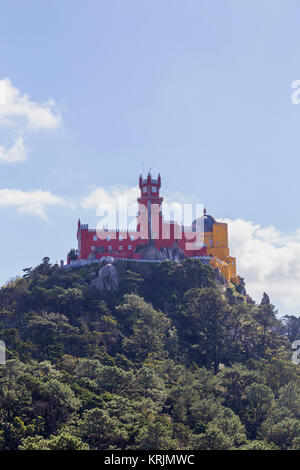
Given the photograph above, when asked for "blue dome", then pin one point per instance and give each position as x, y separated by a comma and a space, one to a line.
204, 223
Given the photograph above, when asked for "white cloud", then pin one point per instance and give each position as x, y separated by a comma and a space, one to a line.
15, 106
269, 260
14, 154
109, 205
19, 112
32, 202
110, 196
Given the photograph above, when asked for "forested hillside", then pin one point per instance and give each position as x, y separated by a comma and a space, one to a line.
170, 360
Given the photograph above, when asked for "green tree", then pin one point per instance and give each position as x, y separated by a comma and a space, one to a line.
203, 326
148, 328
60, 403
63, 441
101, 431
156, 434
259, 402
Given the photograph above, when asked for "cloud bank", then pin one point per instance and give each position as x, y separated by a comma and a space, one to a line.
14, 105
14, 154
110, 196
172, 206
32, 202
21, 114
269, 260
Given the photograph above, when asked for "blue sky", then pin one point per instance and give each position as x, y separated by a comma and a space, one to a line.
198, 90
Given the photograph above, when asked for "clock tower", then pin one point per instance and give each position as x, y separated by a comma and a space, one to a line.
150, 210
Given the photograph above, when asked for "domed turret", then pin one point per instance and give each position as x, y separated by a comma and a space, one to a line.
204, 223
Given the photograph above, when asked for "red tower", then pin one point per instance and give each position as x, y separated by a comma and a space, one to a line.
150, 208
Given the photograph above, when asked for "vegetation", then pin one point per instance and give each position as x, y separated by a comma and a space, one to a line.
169, 361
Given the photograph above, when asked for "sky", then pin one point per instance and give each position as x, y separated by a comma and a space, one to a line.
94, 92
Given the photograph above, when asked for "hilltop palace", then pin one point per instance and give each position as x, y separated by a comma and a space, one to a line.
156, 239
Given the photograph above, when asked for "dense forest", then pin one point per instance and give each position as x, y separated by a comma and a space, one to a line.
172, 359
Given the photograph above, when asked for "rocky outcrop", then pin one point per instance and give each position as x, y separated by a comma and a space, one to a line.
220, 281
107, 278
241, 287
174, 253
151, 252
249, 300
265, 299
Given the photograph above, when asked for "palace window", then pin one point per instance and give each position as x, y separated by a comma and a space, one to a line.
130, 247
95, 238
109, 247
120, 247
